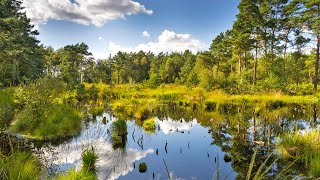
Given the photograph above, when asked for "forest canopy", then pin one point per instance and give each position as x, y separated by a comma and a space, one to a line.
273, 45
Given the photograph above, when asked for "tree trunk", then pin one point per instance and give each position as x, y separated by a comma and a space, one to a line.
255, 67
239, 64
316, 78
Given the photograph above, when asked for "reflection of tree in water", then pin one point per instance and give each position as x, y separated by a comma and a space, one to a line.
244, 129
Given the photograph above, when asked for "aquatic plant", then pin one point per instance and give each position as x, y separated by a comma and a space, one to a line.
119, 133
87, 172
89, 158
149, 125
142, 167
55, 121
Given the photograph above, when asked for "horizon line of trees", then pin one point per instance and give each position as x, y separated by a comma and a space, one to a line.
264, 50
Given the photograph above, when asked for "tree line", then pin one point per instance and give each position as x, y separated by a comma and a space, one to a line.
266, 49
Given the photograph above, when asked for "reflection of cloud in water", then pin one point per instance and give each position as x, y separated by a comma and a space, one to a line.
119, 162
112, 163
168, 125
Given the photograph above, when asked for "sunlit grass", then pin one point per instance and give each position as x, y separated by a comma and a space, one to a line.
20, 166
119, 131
89, 159
149, 125
304, 145
56, 121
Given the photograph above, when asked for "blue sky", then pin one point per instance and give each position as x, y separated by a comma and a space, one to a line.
111, 25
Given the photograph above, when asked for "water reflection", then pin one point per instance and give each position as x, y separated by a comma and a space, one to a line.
168, 125
111, 163
194, 144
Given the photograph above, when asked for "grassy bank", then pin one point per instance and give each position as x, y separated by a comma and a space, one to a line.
41, 110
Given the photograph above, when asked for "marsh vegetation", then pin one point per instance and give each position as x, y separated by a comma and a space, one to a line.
247, 108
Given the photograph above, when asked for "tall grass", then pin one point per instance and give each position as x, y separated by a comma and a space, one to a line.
54, 122
87, 172
89, 159
119, 131
20, 166
303, 145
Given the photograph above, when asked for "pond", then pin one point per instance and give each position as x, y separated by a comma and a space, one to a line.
215, 144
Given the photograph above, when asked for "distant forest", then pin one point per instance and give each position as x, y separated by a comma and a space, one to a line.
273, 45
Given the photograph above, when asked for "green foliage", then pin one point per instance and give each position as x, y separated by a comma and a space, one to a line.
43, 112
7, 106
20, 166
149, 125
304, 146
89, 159
154, 81
119, 131
21, 56
74, 175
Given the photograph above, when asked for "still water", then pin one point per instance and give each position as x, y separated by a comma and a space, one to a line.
189, 154
186, 144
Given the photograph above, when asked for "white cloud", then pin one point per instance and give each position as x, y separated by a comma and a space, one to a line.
145, 34
168, 41
96, 12
100, 38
